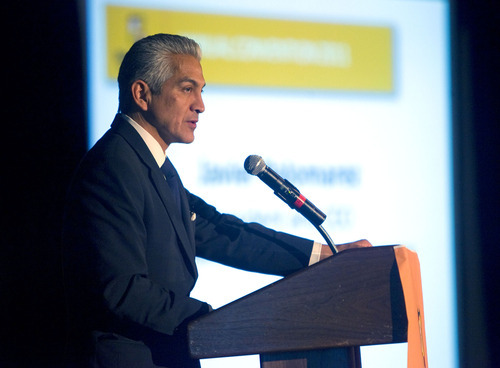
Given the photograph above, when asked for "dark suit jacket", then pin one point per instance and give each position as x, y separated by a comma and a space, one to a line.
129, 255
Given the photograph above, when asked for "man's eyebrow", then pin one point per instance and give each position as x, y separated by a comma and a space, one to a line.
190, 80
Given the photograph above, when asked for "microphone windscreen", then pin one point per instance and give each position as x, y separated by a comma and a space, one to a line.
254, 165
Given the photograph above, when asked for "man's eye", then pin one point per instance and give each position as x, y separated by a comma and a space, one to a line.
188, 89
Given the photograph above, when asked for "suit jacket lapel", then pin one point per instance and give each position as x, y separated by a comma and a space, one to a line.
186, 237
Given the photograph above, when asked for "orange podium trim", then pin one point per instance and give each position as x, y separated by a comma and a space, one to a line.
409, 272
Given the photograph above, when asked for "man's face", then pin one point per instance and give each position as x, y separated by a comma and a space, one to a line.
174, 112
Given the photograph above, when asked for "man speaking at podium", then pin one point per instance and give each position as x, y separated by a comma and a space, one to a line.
132, 231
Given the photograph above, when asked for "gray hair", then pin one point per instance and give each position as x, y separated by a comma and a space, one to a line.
150, 60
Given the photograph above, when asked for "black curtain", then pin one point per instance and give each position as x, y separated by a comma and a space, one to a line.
44, 112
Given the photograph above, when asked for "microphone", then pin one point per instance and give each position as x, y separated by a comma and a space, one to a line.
255, 165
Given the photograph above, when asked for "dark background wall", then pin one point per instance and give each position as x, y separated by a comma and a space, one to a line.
44, 112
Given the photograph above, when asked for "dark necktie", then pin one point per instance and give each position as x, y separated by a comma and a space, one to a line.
173, 181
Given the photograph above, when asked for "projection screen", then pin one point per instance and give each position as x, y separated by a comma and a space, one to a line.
348, 100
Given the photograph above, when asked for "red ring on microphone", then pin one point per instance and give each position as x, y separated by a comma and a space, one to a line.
300, 201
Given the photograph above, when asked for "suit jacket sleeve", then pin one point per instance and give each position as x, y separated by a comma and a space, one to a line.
228, 240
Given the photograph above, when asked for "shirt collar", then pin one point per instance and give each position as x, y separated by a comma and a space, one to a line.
153, 145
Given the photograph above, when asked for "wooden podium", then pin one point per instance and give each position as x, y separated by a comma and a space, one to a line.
320, 316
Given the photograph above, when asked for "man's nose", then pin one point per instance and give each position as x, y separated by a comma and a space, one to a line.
198, 105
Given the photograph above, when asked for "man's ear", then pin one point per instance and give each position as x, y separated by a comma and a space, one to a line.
141, 94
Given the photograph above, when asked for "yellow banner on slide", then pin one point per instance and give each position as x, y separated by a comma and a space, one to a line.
265, 52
